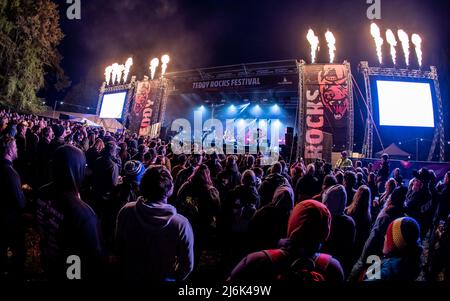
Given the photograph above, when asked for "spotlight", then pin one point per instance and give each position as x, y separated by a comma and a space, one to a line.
256, 110
232, 109
202, 108
275, 109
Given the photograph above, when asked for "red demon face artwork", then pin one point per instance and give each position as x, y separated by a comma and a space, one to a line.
334, 89
143, 91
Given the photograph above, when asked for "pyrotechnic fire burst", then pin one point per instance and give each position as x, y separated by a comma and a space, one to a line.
403, 37
390, 38
375, 32
417, 41
331, 41
154, 63
314, 42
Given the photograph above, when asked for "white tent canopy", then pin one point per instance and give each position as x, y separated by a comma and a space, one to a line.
111, 125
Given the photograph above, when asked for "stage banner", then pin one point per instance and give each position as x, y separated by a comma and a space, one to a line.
239, 83
326, 107
142, 111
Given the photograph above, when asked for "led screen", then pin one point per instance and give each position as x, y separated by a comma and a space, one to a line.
405, 103
112, 105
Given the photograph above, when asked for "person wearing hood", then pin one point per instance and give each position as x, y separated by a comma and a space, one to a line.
402, 250
68, 226
342, 235
271, 183
392, 210
154, 242
308, 227
269, 224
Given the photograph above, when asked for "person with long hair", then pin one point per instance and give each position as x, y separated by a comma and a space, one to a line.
123, 153
359, 210
374, 245
199, 202
388, 189
94, 152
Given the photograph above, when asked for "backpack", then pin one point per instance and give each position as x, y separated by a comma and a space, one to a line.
301, 270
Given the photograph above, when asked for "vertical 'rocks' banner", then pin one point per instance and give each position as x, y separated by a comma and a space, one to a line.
140, 119
327, 108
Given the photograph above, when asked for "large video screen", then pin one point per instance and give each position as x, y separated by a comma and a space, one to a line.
402, 103
112, 105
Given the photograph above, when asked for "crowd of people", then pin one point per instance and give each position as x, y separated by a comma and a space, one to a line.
130, 208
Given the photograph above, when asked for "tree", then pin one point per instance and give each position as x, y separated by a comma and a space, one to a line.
29, 36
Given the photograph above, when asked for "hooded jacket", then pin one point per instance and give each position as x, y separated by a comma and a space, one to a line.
68, 226
154, 242
342, 234
308, 226
269, 224
269, 185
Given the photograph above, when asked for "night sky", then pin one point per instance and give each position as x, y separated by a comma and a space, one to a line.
204, 33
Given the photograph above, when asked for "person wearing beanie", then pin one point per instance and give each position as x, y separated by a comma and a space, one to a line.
128, 190
308, 227
402, 250
392, 210
342, 236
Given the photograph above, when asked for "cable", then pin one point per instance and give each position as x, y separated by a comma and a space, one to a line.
368, 112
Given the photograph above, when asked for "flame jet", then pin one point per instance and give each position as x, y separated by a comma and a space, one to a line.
375, 32
314, 42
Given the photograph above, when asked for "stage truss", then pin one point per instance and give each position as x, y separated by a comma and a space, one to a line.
438, 137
